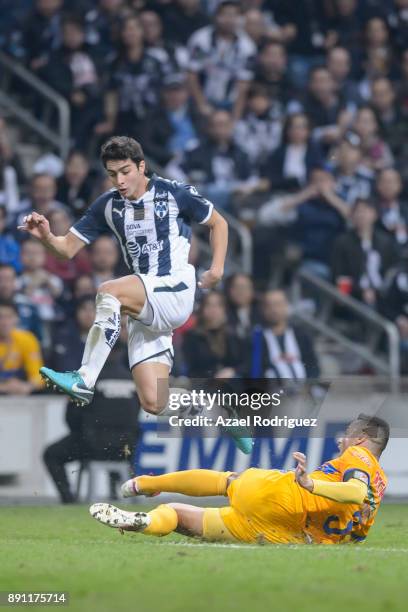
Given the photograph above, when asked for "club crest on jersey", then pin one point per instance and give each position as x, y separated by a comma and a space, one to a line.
161, 205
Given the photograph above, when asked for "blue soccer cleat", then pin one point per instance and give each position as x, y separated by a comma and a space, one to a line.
241, 435
241, 438
70, 383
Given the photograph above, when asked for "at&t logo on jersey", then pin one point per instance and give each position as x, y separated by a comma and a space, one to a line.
136, 250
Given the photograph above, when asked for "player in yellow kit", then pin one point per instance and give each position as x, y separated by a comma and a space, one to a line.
334, 504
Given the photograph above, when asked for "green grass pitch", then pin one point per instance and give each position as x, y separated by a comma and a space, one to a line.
62, 549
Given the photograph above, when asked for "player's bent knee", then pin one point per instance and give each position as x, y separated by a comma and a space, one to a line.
150, 404
109, 287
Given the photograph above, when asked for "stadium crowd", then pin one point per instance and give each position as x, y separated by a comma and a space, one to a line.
290, 116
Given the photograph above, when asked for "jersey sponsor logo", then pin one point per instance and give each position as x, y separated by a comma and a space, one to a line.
136, 250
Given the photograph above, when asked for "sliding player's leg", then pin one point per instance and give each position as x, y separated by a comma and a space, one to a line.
195, 483
186, 519
123, 295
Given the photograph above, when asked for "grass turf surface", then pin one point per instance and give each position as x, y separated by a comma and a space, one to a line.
62, 549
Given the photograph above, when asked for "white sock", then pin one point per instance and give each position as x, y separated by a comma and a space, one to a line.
101, 338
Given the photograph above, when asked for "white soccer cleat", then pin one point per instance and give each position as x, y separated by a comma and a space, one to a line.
130, 489
119, 519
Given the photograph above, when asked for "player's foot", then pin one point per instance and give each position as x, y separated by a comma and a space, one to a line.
119, 519
241, 438
130, 489
70, 383
240, 435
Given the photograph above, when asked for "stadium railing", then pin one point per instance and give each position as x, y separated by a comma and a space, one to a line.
15, 77
372, 327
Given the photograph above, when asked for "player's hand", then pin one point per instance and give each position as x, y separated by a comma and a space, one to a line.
36, 225
301, 476
210, 278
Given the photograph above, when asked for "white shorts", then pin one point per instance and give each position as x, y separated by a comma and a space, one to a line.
171, 301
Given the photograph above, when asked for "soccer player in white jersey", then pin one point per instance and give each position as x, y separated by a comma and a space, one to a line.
151, 221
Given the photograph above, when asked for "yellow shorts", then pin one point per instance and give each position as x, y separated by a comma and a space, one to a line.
265, 505
214, 528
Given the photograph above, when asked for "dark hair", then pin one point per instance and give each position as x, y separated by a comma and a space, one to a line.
226, 3
9, 304
75, 20
375, 428
288, 124
121, 147
84, 299
267, 42
6, 266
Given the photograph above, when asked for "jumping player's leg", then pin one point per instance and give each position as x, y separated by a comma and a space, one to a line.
125, 295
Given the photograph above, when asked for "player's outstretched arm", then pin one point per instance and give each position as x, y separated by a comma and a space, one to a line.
353, 491
219, 243
38, 226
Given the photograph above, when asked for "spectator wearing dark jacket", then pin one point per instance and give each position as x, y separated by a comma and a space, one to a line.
72, 70
218, 166
242, 307
210, 350
281, 350
364, 254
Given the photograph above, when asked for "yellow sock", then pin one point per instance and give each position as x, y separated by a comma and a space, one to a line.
163, 521
190, 482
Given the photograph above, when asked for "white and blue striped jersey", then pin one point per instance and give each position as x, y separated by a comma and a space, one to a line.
154, 232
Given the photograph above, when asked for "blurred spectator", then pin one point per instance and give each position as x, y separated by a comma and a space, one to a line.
29, 318
219, 55
392, 209
325, 106
403, 85
321, 216
289, 167
255, 25
41, 287
72, 70
103, 24
398, 23
218, 165
42, 32
242, 311
165, 52
279, 349
339, 64
66, 269
353, 180
68, 342
210, 350
83, 286
258, 133
170, 130
76, 185
9, 191
270, 70
347, 23
182, 17
376, 152
135, 81
42, 198
20, 355
104, 257
393, 125
364, 254
394, 304
311, 39
9, 247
